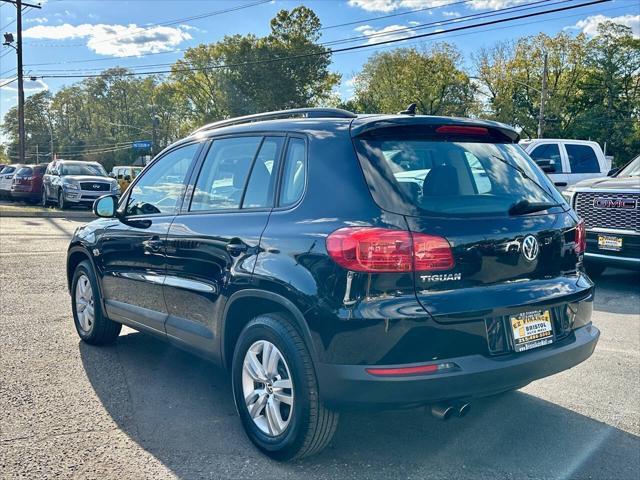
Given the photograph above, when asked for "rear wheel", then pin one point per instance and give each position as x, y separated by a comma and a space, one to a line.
276, 391
91, 324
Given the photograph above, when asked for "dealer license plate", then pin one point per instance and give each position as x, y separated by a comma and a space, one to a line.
531, 329
607, 242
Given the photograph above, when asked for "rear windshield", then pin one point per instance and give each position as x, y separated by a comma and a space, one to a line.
24, 172
82, 169
414, 176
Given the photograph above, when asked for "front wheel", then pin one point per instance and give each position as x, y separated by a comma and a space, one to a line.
62, 205
44, 201
91, 324
276, 391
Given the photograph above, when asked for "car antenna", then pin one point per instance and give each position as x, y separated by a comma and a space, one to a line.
411, 110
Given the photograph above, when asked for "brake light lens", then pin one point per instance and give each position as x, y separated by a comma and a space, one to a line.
408, 371
379, 250
462, 130
581, 237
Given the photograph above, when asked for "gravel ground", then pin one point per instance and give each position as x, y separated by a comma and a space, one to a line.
143, 409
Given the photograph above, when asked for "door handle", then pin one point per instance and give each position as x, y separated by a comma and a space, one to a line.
560, 184
236, 247
154, 244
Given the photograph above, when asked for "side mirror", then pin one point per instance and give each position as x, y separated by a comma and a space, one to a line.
106, 206
112, 175
612, 172
127, 178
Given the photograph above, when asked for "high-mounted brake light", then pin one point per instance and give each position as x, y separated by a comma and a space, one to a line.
581, 237
378, 250
462, 130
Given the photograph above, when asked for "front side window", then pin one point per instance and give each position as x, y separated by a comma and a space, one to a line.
294, 172
224, 174
582, 159
550, 153
411, 175
160, 189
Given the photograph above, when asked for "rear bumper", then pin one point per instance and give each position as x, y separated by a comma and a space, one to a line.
476, 375
22, 194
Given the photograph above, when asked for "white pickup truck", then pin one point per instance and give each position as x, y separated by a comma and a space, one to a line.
568, 161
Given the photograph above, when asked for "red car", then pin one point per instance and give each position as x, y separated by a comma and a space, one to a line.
27, 183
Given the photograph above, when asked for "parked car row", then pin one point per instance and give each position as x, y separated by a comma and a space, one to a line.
63, 183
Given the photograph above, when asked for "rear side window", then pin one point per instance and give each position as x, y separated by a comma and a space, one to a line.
224, 174
294, 173
39, 170
160, 189
548, 151
259, 192
582, 159
416, 176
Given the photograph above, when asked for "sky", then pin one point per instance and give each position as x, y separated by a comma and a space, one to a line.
72, 36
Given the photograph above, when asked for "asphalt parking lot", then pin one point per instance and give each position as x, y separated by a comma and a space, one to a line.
143, 409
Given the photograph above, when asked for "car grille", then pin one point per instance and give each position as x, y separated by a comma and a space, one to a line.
95, 186
622, 218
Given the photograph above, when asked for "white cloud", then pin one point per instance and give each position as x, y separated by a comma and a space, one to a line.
115, 40
37, 20
390, 32
29, 85
589, 25
391, 5
451, 14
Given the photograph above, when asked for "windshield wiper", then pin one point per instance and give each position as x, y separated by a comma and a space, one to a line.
524, 174
525, 206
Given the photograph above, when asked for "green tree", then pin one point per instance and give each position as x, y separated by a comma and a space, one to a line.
432, 78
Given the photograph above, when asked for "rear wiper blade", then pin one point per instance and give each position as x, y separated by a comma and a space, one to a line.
524, 174
525, 206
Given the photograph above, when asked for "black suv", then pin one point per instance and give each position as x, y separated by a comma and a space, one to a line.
330, 261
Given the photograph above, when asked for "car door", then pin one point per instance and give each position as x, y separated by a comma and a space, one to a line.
131, 249
212, 245
583, 162
551, 151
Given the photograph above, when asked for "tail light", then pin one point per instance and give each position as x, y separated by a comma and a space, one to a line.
581, 237
379, 250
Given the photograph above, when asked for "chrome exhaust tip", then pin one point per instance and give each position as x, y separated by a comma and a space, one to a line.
463, 409
442, 411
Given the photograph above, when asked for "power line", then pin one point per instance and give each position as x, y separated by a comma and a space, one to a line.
344, 49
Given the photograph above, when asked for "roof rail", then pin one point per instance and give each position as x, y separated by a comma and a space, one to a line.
294, 112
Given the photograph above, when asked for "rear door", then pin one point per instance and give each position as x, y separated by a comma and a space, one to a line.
552, 152
583, 162
470, 191
213, 244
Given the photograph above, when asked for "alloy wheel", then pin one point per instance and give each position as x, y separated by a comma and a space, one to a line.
267, 387
85, 309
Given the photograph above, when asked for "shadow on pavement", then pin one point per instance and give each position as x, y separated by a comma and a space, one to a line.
609, 287
179, 408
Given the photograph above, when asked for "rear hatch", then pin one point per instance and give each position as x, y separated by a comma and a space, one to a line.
511, 237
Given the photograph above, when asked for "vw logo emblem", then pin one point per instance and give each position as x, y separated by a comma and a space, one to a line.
530, 247
96, 186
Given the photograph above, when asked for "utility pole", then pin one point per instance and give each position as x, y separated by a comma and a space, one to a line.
543, 97
18, 47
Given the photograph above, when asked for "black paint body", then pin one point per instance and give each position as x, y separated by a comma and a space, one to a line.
176, 277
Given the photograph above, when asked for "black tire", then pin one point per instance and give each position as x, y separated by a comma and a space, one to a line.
44, 201
103, 331
61, 203
594, 270
311, 425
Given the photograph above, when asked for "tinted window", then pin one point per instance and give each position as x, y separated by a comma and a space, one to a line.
93, 169
582, 159
413, 175
260, 187
162, 186
8, 169
224, 173
294, 173
549, 151
24, 172
40, 170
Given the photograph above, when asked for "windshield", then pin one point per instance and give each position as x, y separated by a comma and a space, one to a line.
631, 170
416, 176
83, 169
8, 169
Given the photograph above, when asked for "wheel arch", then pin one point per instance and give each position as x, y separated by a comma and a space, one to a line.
245, 305
75, 255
